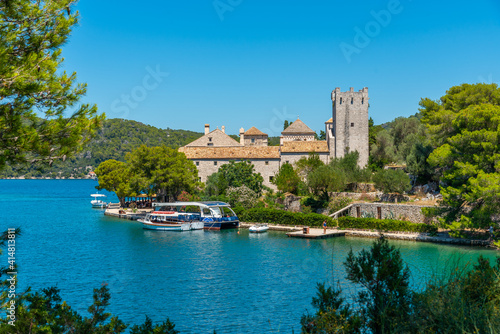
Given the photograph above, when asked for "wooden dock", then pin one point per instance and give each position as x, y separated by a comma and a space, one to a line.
317, 233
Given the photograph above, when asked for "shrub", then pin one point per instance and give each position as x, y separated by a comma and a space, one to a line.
338, 203
385, 225
392, 181
273, 216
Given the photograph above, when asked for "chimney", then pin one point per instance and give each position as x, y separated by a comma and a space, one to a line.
223, 128
242, 136
207, 128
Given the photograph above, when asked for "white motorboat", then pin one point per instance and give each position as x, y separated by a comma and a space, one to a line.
98, 203
258, 228
185, 216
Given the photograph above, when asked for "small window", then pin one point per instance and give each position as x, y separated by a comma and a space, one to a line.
197, 163
340, 100
199, 179
209, 138
352, 100
362, 100
253, 140
352, 125
267, 162
271, 178
210, 144
286, 161
215, 163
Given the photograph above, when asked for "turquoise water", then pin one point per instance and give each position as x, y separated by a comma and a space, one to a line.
231, 281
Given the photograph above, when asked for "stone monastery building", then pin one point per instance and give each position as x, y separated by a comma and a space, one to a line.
346, 131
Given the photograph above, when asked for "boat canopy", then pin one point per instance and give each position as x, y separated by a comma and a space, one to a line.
98, 195
200, 204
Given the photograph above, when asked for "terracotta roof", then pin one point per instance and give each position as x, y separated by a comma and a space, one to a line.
216, 138
242, 152
318, 146
330, 120
298, 127
253, 131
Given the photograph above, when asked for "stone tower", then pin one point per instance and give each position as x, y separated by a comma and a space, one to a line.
350, 123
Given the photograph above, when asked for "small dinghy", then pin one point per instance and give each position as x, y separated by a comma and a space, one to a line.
258, 228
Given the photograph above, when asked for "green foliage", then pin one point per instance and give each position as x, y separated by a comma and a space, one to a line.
287, 179
167, 327
348, 165
115, 176
465, 125
461, 301
392, 181
332, 315
113, 140
234, 174
273, 216
395, 142
338, 203
307, 165
385, 299
385, 225
326, 179
161, 170
383, 151
35, 93
242, 196
418, 165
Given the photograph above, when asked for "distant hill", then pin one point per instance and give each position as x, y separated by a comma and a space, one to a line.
116, 138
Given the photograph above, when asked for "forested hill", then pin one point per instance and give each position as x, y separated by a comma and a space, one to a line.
113, 141
119, 136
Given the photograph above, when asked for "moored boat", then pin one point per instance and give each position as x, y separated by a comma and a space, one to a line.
207, 215
258, 228
96, 202
185, 216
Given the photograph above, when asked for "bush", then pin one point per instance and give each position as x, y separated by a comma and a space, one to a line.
385, 225
273, 216
338, 203
392, 181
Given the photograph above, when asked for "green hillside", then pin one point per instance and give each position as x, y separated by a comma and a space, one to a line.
114, 140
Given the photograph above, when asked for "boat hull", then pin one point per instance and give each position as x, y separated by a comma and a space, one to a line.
258, 230
221, 225
172, 227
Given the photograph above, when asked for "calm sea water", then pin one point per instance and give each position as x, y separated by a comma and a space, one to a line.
231, 281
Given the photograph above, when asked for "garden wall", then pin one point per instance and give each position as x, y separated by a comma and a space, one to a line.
408, 212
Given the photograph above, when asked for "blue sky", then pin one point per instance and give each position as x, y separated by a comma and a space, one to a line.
244, 63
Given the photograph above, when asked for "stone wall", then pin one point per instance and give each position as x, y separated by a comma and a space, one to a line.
350, 123
266, 167
292, 158
409, 212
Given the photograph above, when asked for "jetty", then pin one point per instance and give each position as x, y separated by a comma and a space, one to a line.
316, 233
127, 214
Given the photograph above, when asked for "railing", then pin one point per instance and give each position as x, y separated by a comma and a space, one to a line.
335, 215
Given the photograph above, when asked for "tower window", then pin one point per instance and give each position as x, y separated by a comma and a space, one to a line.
267, 162
253, 140
363, 100
210, 144
271, 179
352, 100
209, 138
352, 125
215, 163
340, 100
197, 163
